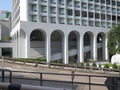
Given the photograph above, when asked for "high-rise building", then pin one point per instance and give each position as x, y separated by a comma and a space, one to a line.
5, 44
67, 30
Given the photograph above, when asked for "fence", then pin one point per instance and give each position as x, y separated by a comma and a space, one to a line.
111, 82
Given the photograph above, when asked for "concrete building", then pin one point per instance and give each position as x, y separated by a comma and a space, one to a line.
5, 45
63, 29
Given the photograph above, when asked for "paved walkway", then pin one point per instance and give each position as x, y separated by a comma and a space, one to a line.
19, 67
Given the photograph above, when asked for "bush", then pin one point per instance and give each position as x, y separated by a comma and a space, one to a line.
106, 66
94, 65
114, 66
87, 64
82, 64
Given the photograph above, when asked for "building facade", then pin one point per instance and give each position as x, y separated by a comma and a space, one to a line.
5, 45
67, 30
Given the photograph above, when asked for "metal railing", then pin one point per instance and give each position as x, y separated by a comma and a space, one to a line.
112, 82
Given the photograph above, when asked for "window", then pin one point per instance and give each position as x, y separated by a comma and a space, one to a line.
84, 14
77, 4
34, 7
108, 17
118, 4
103, 24
53, 10
53, 19
84, 5
34, 18
97, 23
77, 13
113, 17
69, 12
69, 21
97, 1
69, 2
44, 9
102, 8
61, 2
77, 21
90, 14
84, 22
102, 1
61, 20
97, 16
91, 23
61, 11
97, 8
108, 2
44, 19
108, 10
90, 6
103, 16
113, 3
53, 1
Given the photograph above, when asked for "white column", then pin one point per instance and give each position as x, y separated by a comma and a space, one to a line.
81, 50
19, 48
106, 50
48, 48
27, 45
95, 47
0, 51
65, 51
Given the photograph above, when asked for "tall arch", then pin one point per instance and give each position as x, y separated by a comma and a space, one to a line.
73, 46
57, 39
88, 46
101, 46
37, 43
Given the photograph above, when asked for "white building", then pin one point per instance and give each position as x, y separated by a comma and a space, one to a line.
5, 45
63, 29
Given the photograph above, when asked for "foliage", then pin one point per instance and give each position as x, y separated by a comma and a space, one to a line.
87, 64
106, 66
94, 64
32, 59
8, 38
115, 66
114, 40
82, 64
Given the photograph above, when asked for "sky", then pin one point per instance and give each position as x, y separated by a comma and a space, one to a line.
5, 5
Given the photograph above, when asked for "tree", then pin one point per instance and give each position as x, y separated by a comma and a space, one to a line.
114, 40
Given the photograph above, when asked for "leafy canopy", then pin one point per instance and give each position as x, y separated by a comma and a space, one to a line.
114, 40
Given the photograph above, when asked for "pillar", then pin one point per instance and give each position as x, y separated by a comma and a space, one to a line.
105, 50
94, 47
81, 49
27, 45
65, 49
48, 48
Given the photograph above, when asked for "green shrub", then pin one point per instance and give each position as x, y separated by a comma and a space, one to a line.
82, 64
94, 64
106, 66
87, 64
114, 66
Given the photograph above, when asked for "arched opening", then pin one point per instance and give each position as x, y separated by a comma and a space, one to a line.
88, 46
73, 46
23, 44
37, 44
57, 46
100, 46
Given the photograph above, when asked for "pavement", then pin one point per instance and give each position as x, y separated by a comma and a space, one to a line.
65, 86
